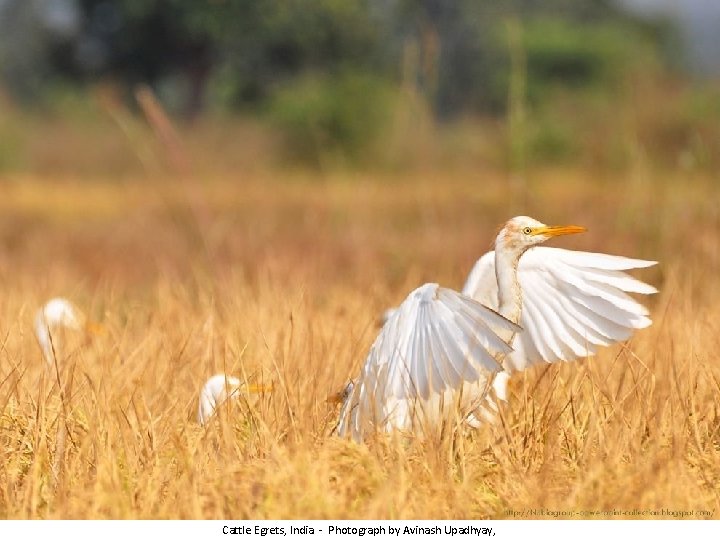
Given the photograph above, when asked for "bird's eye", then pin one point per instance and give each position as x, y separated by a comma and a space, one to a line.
527, 230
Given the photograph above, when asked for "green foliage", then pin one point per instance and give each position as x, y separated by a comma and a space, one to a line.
325, 74
580, 56
333, 117
288, 39
552, 139
243, 50
10, 146
574, 74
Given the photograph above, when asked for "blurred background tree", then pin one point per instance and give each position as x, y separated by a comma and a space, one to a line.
331, 76
245, 50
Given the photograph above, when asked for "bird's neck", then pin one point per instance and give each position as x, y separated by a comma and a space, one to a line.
509, 291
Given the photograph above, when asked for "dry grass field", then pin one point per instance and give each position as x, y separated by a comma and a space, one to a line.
281, 279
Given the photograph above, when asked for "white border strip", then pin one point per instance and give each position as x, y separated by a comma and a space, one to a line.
556, 529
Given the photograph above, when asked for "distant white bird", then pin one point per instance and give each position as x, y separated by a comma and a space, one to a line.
53, 319
218, 389
439, 352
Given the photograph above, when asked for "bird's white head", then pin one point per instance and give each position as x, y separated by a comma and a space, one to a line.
221, 387
56, 317
521, 233
62, 312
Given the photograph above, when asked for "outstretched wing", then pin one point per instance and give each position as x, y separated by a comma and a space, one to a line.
436, 342
573, 302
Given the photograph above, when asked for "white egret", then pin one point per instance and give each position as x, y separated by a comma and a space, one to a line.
54, 324
439, 352
53, 319
218, 389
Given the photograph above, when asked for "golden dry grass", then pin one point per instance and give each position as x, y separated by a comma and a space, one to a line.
282, 280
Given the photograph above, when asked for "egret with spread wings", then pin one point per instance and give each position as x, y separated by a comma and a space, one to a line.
439, 353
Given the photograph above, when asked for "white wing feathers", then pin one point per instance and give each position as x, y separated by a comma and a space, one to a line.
437, 343
573, 302
436, 340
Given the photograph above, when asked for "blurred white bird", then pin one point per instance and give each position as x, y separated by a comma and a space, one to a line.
218, 389
439, 352
53, 319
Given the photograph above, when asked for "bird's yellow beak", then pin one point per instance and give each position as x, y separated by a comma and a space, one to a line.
259, 388
94, 329
558, 230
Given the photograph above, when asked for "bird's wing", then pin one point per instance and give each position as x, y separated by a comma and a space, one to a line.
573, 302
437, 340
